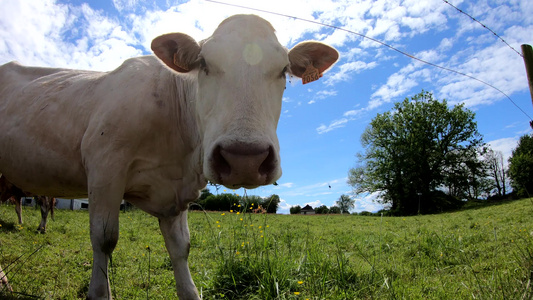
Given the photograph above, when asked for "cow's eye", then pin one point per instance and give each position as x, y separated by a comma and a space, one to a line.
203, 66
284, 72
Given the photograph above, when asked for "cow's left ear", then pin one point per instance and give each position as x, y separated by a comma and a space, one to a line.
177, 50
311, 55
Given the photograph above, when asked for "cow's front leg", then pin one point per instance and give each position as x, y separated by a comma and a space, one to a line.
104, 208
176, 233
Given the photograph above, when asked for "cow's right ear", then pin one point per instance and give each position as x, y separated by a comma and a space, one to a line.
177, 50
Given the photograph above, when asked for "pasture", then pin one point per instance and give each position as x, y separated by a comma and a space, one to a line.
484, 253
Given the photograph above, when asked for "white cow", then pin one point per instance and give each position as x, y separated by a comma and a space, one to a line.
153, 133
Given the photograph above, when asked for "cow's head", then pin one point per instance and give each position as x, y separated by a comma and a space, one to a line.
241, 73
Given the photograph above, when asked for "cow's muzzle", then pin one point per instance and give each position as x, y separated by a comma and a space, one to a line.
244, 165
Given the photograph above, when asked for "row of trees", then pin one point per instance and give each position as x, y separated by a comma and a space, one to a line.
234, 202
343, 205
425, 157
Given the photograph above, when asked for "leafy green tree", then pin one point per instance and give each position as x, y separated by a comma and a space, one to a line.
271, 203
294, 210
521, 167
345, 203
322, 210
204, 194
334, 210
221, 202
415, 149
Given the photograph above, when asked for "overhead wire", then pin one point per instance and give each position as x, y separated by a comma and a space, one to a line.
483, 25
379, 42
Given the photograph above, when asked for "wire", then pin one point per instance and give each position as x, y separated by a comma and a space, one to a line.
483, 25
381, 43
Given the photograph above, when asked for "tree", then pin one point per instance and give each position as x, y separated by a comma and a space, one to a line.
521, 167
345, 203
416, 149
334, 210
497, 171
204, 194
271, 204
294, 210
322, 210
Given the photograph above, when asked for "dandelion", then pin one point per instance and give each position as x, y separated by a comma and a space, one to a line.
223, 214
237, 253
260, 227
231, 210
241, 219
218, 222
218, 226
297, 293
300, 282
268, 226
239, 211
239, 205
261, 236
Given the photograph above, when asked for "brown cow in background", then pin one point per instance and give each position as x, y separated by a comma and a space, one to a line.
9, 192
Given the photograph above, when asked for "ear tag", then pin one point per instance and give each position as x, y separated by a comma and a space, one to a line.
311, 74
178, 64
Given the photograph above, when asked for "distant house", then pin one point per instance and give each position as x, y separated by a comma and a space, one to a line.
307, 210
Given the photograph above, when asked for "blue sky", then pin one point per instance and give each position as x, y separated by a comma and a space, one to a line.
321, 122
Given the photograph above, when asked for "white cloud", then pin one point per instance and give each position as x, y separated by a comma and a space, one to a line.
121, 5
347, 69
287, 185
61, 35
504, 145
368, 203
333, 125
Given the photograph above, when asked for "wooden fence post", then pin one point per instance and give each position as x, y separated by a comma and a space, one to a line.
527, 52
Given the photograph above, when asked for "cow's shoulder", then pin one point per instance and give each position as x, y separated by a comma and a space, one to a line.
138, 65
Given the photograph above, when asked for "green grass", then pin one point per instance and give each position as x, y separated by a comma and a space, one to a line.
483, 253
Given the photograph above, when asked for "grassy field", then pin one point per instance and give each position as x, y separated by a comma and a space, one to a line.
484, 253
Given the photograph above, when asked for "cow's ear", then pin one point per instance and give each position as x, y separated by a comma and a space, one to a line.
315, 56
177, 50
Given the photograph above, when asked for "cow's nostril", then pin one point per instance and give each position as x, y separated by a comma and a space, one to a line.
269, 164
220, 164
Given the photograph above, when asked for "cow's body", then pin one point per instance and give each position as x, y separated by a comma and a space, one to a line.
151, 136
